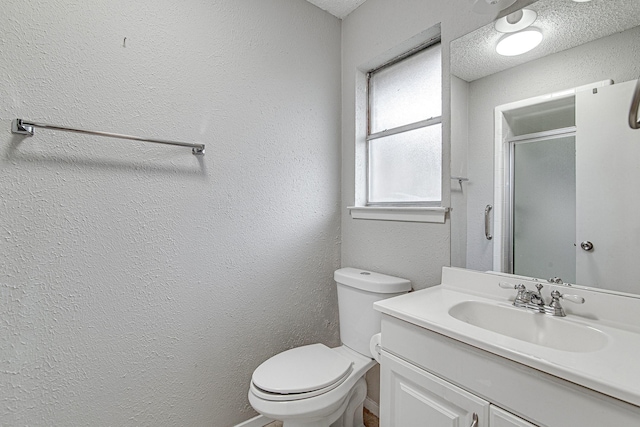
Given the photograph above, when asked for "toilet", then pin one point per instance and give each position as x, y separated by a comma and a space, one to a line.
318, 386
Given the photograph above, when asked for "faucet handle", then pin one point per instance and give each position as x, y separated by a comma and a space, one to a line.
507, 285
573, 298
523, 296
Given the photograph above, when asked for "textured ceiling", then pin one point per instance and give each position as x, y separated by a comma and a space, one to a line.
338, 8
564, 23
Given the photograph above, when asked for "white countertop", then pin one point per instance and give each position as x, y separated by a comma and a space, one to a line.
613, 370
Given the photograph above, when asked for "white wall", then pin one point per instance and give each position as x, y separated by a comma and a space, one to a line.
416, 251
139, 284
459, 150
613, 57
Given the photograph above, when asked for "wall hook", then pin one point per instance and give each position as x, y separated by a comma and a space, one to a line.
460, 180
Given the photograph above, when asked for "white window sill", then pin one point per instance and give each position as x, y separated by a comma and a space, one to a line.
407, 214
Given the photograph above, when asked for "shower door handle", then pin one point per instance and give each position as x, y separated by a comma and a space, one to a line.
634, 122
487, 225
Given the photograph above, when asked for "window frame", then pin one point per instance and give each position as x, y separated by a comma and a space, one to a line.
369, 137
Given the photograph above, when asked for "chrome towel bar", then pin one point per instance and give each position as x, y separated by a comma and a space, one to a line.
25, 127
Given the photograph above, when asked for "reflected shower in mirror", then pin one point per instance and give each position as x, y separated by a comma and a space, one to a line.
539, 137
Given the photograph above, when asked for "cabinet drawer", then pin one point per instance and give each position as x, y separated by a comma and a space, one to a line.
501, 418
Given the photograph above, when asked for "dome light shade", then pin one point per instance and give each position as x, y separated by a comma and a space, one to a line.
518, 43
516, 21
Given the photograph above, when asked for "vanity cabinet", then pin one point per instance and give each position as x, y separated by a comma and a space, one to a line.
431, 380
412, 397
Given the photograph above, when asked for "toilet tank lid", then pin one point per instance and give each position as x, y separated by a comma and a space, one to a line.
370, 281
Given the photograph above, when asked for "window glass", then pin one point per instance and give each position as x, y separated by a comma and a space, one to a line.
404, 149
406, 167
406, 92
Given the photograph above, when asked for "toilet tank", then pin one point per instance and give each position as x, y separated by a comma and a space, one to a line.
357, 291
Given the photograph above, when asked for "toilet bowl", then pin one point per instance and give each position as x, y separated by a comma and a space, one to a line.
336, 402
318, 386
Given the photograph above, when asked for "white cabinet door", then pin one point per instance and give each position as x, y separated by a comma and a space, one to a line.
411, 397
501, 418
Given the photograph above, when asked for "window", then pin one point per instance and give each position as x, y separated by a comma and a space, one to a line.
404, 130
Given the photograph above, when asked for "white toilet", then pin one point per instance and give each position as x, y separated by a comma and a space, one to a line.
318, 386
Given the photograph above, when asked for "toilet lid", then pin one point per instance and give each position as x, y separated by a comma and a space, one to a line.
301, 370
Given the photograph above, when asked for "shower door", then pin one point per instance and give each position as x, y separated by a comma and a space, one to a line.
544, 206
607, 189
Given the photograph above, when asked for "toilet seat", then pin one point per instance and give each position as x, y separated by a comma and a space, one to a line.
277, 397
300, 373
329, 404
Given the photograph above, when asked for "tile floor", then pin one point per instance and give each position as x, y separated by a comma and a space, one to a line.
370, 420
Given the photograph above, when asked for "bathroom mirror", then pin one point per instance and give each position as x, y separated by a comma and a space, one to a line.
537, 97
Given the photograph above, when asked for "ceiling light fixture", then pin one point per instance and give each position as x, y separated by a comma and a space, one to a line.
516, 21
490, 7
518, 43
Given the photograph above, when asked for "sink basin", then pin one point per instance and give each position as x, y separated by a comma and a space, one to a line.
536, 328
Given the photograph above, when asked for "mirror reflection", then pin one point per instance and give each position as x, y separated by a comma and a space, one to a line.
544, 140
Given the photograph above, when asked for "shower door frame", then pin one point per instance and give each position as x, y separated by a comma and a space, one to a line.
502, 196
508, 205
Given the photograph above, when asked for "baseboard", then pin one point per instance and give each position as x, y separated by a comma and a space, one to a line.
372, 406
259, 421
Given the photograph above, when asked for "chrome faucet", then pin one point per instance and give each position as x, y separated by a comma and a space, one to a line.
533, 300
536, 297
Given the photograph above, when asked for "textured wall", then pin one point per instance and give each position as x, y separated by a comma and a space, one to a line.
416, 251
139, 284
613, 57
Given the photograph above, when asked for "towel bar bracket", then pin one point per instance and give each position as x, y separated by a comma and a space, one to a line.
18, 127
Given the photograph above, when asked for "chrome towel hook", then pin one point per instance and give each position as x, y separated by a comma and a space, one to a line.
634, 122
